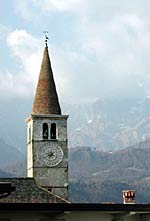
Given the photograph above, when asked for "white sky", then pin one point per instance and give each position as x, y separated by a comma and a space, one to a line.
98, 49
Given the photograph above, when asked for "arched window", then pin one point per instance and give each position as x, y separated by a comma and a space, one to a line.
45, 131
53, 131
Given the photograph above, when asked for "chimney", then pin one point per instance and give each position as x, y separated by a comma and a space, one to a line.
128, 196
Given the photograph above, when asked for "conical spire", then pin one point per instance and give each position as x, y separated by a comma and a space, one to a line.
46, 98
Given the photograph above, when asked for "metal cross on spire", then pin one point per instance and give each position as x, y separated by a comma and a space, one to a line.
46, 37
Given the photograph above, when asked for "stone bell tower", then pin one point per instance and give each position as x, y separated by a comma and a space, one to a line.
47, 151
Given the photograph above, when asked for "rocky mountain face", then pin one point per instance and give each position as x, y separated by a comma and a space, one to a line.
109, 125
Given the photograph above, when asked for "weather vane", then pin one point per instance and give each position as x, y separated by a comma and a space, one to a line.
46, 37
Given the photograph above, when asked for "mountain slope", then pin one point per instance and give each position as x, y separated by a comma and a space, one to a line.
128, 164
5, 174
9, 154
101, 176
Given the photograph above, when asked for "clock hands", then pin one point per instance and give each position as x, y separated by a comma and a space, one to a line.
51, 155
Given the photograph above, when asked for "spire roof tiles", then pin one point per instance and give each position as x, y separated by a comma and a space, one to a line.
46, 98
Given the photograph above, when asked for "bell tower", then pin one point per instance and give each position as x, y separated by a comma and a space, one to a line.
47, 151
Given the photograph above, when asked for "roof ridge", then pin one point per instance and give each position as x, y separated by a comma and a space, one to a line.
55, 195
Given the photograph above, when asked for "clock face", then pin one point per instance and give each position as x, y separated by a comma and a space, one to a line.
51, 155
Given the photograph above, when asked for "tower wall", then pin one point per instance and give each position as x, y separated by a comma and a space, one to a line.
50, 172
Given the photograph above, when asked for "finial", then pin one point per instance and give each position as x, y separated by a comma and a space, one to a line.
46, 37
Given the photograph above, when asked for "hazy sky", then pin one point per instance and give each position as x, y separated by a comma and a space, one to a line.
98, 49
